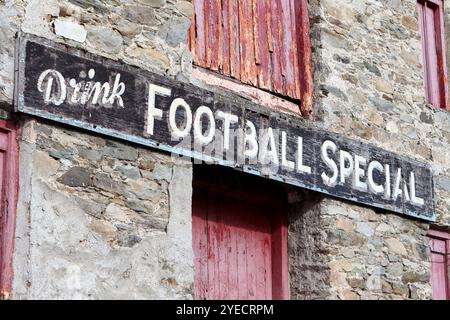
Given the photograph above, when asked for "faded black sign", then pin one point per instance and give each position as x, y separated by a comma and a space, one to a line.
77, 88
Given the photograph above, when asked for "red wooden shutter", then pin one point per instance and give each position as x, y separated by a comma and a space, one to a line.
8, 199
440, 263
263, 43
434, 62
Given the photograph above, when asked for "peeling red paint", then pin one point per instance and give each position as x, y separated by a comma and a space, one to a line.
262, 43
258, 96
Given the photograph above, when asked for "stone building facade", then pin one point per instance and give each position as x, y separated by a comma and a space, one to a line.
100, 218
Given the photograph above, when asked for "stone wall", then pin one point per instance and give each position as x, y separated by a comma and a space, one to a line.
112, 220
369, 86
99, 219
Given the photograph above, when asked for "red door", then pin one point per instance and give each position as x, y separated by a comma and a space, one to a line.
8, 199
440, 263
240, 241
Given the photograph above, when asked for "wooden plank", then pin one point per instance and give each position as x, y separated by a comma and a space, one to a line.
267, 249
215, 41
235, 50
224, 239
200, 30
200, 245
276, 57
439, 276
213, 249
233, 281
226, 36
255, 26
262, 44
268, 19
295, 52
304, 54
260, 234
280, 290
251, 251
242, 262
208, 32
287, 66
248, 67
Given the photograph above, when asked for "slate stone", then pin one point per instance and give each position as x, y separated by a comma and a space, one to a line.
76, 177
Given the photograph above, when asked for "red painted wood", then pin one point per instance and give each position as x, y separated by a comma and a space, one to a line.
243, 247
262, 43
433, 50
439, 277
296, 56
304, 56
252, 270
287, 66
280, 272
440, 263
207, 30
246, 42
277, 56
439, 234
226, 32
233, 289
223, 247
235, 50
199, 39
200, 240
268, 19
9, 154
215, 30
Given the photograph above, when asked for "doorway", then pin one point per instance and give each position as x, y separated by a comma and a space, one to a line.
239, 236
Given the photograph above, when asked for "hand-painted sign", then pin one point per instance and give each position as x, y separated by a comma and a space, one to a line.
77, 88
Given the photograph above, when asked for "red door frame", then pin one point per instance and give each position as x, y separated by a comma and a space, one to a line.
10, 145
253, 188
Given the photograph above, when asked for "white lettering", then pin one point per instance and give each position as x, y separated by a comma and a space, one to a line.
178, 133
250, 139
269, 139
228, 119
50, 75
359, 172
412, 186
397, 188
287, 164
346, 171
154, 112
117, 91
198, 127
387, 184
301, 168
329, 181
373, 187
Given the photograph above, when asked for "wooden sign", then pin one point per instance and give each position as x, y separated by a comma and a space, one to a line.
79, 89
